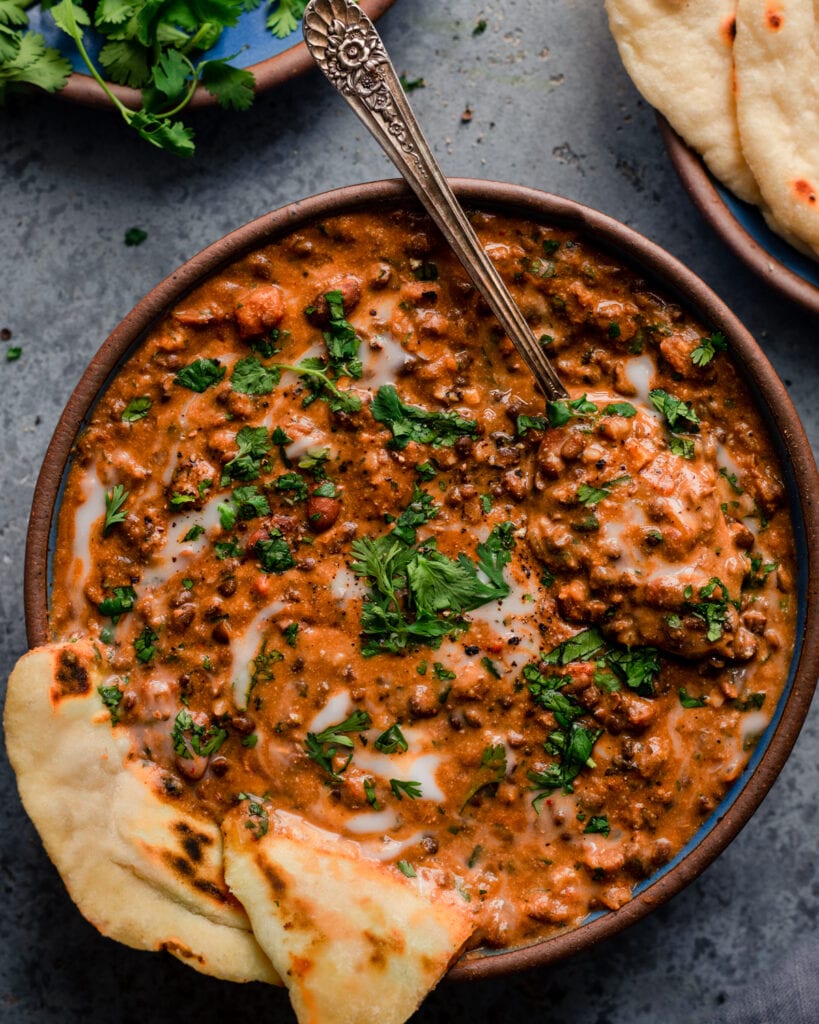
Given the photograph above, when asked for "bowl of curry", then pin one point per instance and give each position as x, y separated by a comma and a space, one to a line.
339, 562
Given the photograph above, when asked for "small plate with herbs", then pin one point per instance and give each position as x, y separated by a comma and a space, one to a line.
154, 59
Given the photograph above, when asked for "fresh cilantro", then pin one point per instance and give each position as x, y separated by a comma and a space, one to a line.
274, 554
597, 825
251, 740
111, 697
290, 633
588, 495
485, 501
708, 348
314, 461
614, 331
136, 409
194, 533
292, 484
341, 340
759, 571
263, 663
178, 499
145, 644
250, 377
391, 740
326, 489
13, 353
116, 606
526, 423
579, 647
637, 667
269, 346
200, 374
491, 667
316, 379
711, 608
283, 19
249, 503
561, 411
732, 480
625, 409
24, 57
411, 84
679, 415
324, 746
682, 446
227, 516
688, 701
369, 793
191, 740
227, 549
491, 772
187, 583
420, 511
573, 748
406, 868
114, 507
413, 423
750, 702
258, 823
135, 236
480, 27
426, 471
247, 464
412, 790
442, 673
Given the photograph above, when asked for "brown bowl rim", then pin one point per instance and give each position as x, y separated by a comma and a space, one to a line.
700, 187
290, 63
675, 278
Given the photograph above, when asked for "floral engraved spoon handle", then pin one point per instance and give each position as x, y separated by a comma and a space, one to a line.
349, 51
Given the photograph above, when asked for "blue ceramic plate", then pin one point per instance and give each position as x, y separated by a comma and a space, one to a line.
743, 228
271, 60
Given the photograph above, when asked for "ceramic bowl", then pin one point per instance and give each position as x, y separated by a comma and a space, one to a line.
669, 276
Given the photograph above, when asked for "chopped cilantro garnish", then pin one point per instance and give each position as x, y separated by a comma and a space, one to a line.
247, 464
412, 790
136, 409
290, 633
341, 340
426, 471
391, 740
413, 423
406, 868
194, 532
192, 740
560, 412
732, 480
688, 701
116, 606
369, 793
274, 554
322, 747
114, 507
420, 511
625, 409
708, 348
597, 824
111, 697
250, 377
178, 499
678, 414
524, 424
135, 236
145, 644
573, 747
227, 549
258, 822
200, 375
292, 485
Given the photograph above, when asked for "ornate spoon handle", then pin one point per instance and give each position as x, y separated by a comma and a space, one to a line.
349, 51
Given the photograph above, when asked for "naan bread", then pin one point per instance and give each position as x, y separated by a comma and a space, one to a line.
777, 70
679, 55
354, 940
140, 870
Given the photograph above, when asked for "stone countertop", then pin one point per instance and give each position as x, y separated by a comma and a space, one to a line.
552, 108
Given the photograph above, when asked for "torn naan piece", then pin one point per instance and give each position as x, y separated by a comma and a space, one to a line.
777, 70
353, 939
142, 870
679, 54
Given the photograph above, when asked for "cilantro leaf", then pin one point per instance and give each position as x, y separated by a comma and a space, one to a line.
413, 423
274, 553
284, 18
420, 511
145, 644
232, 87
111, 697
322, 747
708, 348
247, 464
250, 377
679, 415
491, 772
200, 375
114, 507
122, 601
412, 790
191, 740
341, 340
391, 740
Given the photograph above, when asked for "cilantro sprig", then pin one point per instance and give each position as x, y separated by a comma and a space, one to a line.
323, 747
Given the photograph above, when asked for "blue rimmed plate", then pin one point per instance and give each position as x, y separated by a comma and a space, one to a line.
271, 60
742, 227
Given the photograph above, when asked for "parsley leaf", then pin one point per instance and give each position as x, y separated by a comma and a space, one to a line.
413, 423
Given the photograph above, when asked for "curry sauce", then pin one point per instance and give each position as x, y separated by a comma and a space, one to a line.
342, 559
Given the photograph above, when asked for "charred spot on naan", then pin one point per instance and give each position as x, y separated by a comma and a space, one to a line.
804, 191
70, 676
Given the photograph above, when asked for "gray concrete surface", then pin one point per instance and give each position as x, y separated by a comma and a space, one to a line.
552, 108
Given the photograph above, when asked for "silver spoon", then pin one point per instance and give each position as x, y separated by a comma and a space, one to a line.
347, 48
